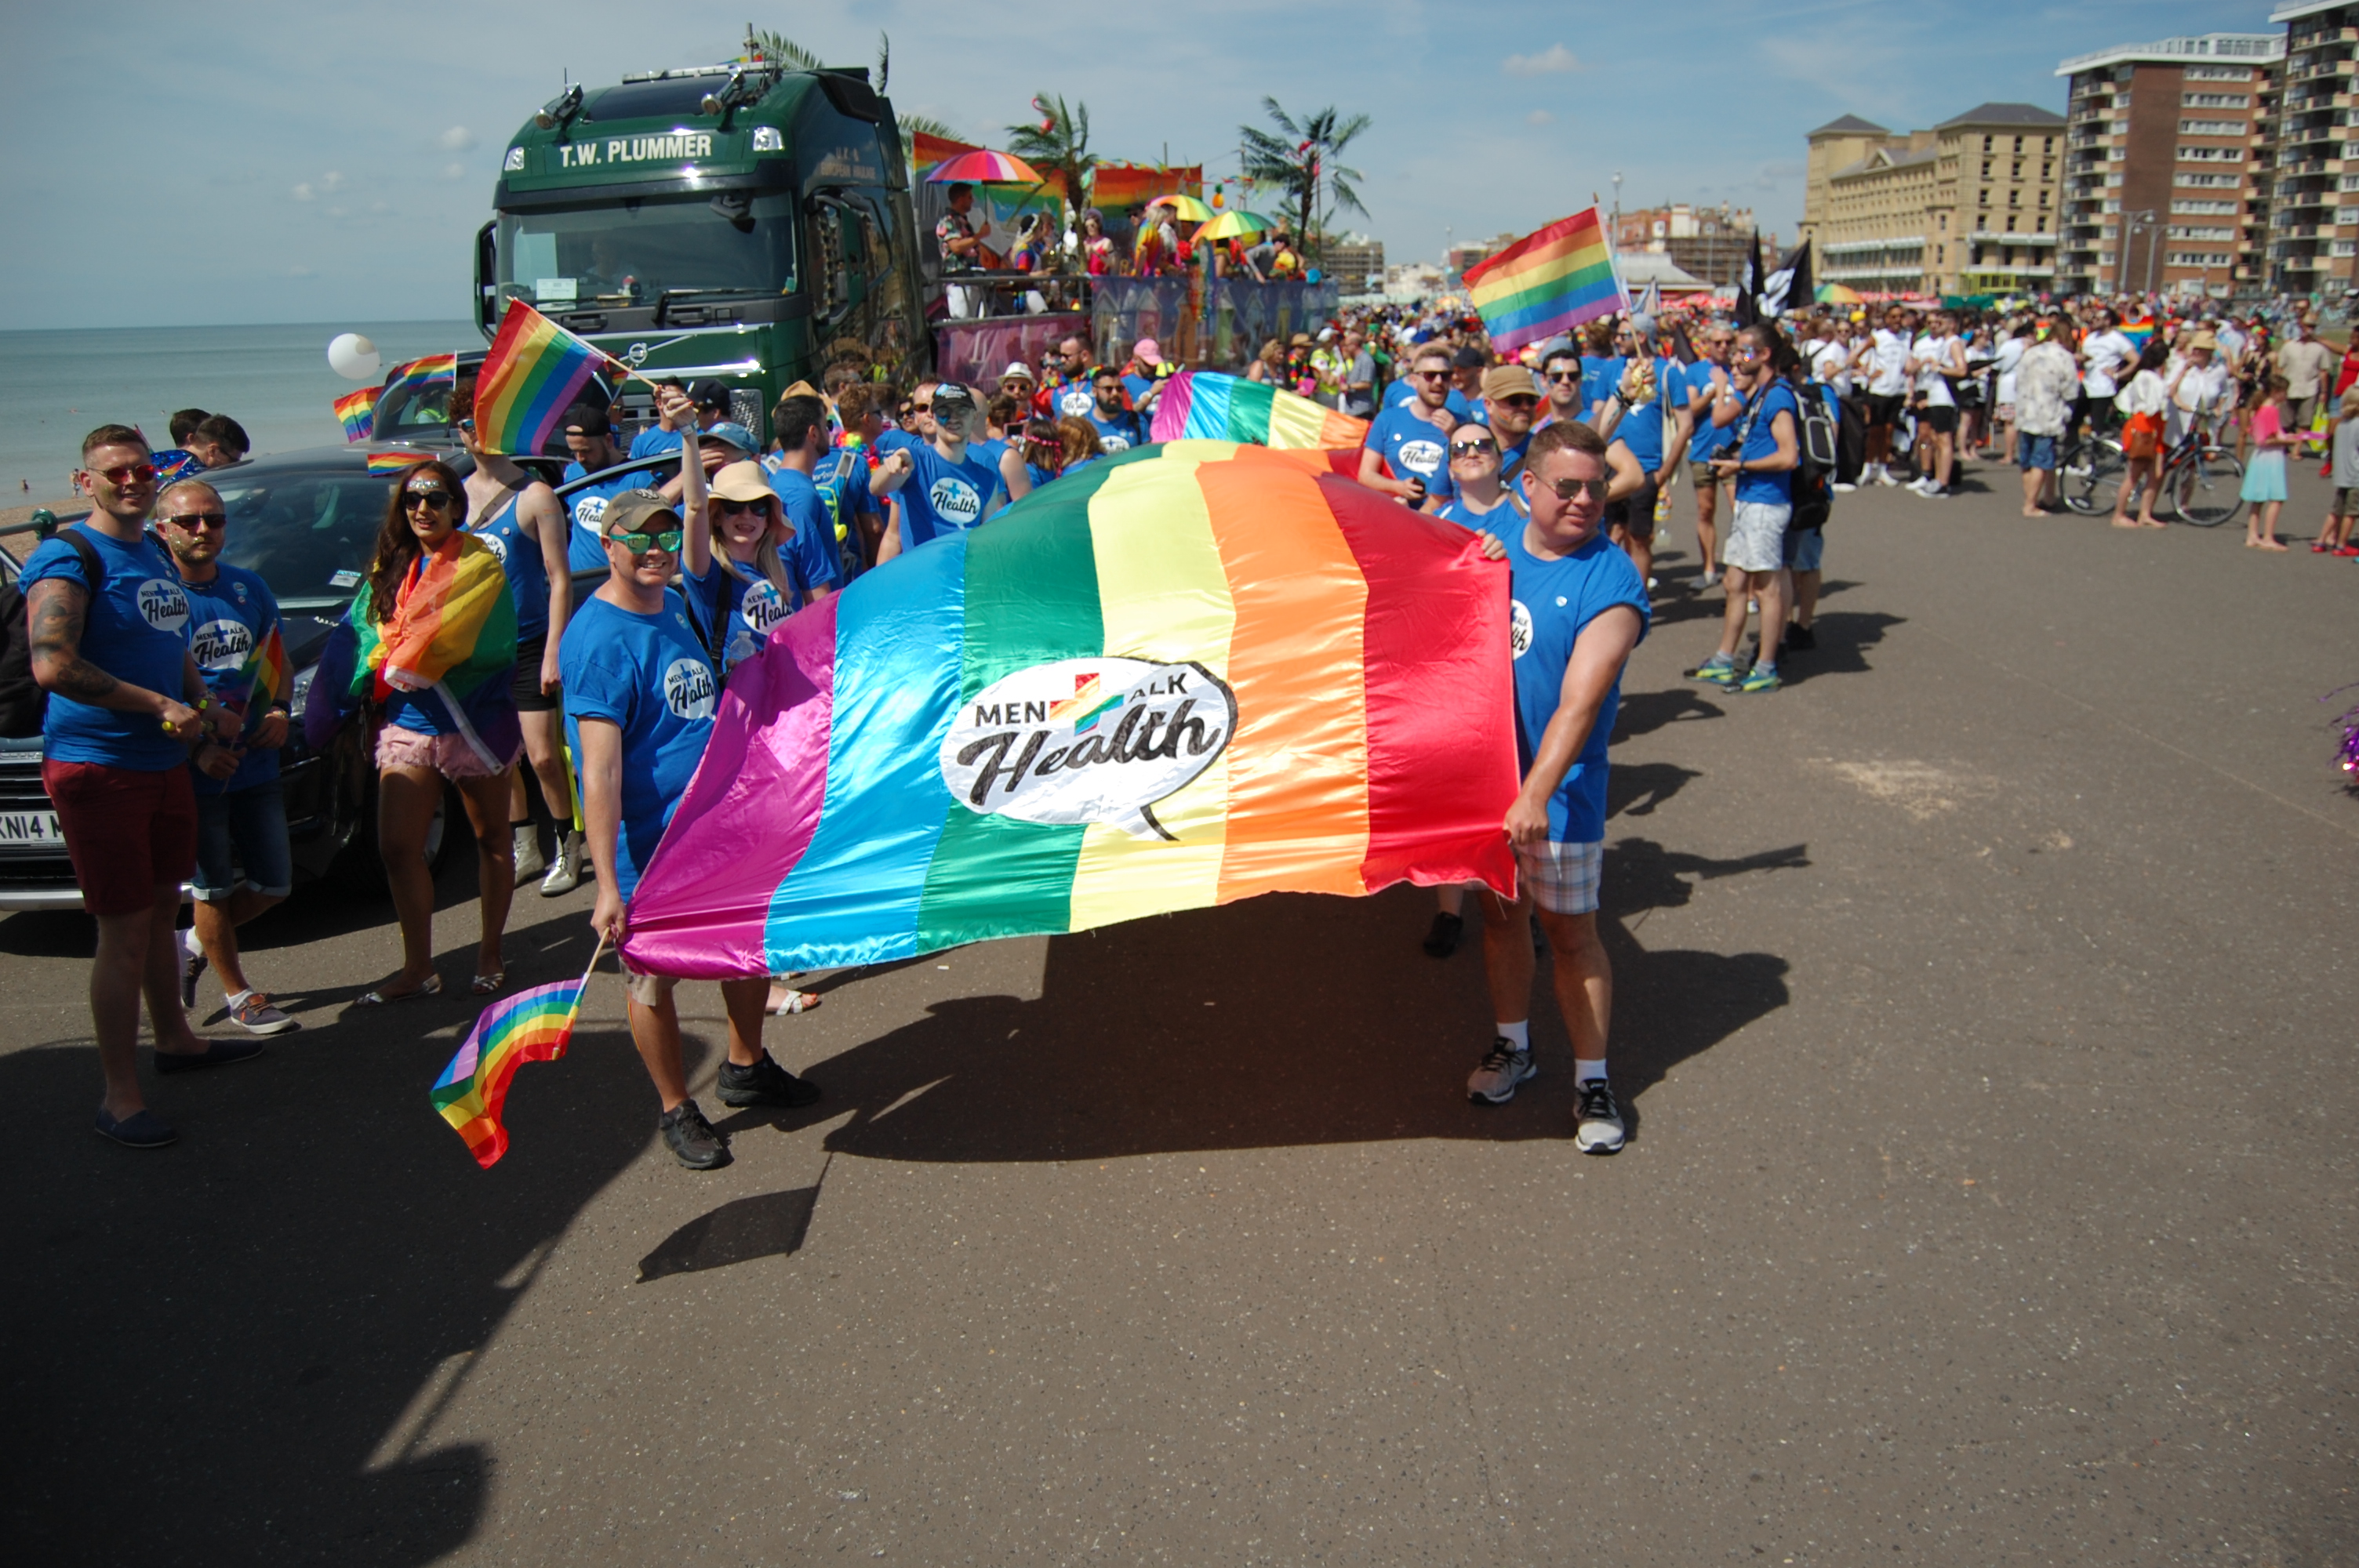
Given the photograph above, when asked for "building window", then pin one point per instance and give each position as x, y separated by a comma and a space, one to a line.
2210, 154
2214, 100
2211, 127
2346, 247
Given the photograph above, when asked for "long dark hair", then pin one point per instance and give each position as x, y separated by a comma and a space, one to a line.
397, 545
2153, 356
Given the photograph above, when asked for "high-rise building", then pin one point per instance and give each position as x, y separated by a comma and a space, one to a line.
2168, 165
1968, 207
2314, 207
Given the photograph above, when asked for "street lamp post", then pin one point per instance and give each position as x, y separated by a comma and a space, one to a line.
2131, 223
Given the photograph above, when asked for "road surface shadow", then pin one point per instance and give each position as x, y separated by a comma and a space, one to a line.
1845, 638
1285, 1019
259, 1324
1644, 713
767, 1225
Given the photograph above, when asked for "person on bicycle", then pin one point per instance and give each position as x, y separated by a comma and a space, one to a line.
2199, 386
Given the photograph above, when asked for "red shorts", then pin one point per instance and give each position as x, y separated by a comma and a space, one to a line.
130, 832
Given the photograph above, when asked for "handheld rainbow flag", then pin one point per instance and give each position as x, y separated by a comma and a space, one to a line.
1206, 405
396, 462
1547, 282
356, 411
453, 635
531, 1026
534, 371
265, 671
416, 375
1185, 676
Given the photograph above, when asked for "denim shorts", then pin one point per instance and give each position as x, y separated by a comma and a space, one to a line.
1805, 548
244, 829
2034, 451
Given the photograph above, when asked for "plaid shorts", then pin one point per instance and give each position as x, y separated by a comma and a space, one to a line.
1563, 878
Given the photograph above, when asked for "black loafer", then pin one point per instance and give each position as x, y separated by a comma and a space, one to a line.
140, 1130
216, 1054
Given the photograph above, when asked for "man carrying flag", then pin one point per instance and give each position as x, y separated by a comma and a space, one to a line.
241, 815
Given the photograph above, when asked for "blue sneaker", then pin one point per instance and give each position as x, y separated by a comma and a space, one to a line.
1718, 670
1760, 677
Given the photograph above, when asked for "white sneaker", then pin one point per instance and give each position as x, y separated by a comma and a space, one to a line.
1495, 1082
1884, 475
1840, 488
1598, 1127
529, 858
565, 872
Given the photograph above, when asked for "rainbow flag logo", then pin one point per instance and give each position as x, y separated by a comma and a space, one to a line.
357, 412
530, 378
531, 1026
1549, 281
1088, 704
396, 462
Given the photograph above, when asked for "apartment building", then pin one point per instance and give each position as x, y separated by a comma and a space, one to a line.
1708, 242
1968, 207
2168, 160
2314, 205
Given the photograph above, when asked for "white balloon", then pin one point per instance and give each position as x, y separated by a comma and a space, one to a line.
353, 357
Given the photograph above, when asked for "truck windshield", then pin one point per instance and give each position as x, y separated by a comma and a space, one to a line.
616, 254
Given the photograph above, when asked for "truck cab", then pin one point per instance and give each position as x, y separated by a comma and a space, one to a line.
728, 221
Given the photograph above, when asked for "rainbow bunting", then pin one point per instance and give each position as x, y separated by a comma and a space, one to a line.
531, 375
416, 375
531, 1026
1214, 407
396, 462
357, 412
1547, 282
1185, 676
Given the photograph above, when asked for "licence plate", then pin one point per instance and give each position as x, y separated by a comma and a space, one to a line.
31, 827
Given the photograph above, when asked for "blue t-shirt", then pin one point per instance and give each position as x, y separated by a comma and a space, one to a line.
520, 557
1462, 512
585, 548
1120, 433
1553, 601
228, 618
1708, 438
941, 496
1410, 445
812, 556
1776, 489
136, 630
647, 676
653, 439
1642, 429
746, 603
1600, 375
1071, 400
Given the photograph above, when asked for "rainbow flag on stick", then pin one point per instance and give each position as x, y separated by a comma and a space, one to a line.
1207, 405
357, 412
1547, 282
1188, 675
531, 1026
416, 375
265, 672
530, 378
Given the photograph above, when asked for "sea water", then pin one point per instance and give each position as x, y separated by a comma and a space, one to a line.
55, 387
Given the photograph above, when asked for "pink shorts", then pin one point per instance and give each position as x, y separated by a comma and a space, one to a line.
450, 756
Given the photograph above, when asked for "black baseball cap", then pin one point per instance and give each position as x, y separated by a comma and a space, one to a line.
1471, 358
708, 393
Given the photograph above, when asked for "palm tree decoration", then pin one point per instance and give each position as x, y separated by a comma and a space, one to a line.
785, 51
1058, 140
1302, 164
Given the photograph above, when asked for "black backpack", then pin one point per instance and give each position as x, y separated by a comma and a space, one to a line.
1815, 439
23, 703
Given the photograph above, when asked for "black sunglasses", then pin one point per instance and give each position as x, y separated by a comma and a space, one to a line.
1471, 448
1429, 375
1564, 376
199, 520
434, 499
1566, 489
640, 544
129, 474
732, 508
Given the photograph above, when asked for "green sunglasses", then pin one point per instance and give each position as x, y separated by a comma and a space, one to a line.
640, 544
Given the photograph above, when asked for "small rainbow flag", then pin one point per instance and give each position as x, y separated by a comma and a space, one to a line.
357, 412
396, 462
531, 1026
1547, 282
265, 672
530, 378
434, 370
1211, 406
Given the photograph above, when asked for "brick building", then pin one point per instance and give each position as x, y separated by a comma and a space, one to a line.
2314, 204
1708, 242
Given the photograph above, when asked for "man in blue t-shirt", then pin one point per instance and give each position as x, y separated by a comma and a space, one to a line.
107, 623
1763, 418
939, 487
640, 701
812, 559
1118, 428
1577, 610
708, 405
1652, 437
241, 815
590, 437
1707, 379
1406, 453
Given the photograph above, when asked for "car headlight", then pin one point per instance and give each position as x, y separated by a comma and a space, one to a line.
514, 161
300, 692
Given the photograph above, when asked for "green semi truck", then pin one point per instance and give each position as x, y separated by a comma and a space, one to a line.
731, 222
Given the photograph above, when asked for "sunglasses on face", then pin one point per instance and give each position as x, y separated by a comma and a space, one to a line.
735, 508
194, 520
921, 408
1518, 400
1564, 376
1429, 375
128, 473
1471, 448
641, 544
433, 500
1566, 489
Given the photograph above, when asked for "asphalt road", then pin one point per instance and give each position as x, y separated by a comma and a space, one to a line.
1984, 1003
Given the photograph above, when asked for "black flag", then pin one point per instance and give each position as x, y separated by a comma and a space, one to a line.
1764, 294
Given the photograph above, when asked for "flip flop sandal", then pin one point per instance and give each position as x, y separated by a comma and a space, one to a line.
488, 985
797, 1001
430, 985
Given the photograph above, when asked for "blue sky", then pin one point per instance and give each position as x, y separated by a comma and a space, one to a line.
328, 161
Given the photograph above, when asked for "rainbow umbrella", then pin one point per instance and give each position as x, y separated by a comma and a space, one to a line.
1234, 224
984, 167
1187, 209
1836, 294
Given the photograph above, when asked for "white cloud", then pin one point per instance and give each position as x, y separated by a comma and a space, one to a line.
303, 191
457, 139
454, 171
331, 180
1539, 117
1548, 62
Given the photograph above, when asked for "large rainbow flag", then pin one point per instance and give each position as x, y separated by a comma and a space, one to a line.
1207, 405
530, 376
531, 1026
452, 633
1185, 676
1547, 282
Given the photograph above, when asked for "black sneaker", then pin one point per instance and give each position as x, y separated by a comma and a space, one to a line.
1442, 939
1801, 637
765, 1083
1598, 1129
693, 1140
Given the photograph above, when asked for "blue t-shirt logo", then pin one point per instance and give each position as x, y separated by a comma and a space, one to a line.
762, 608
955, 501
162, 605
499, 548
589, 511
221, 644
1420, 457
689, 689
1519, 627
1076, 402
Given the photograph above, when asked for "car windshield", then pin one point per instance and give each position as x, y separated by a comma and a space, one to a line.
632, 252
309, 534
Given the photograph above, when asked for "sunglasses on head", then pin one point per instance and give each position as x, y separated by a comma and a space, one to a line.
732, 508
128, 473
433, 500
199, 520
640, 544
1566, 489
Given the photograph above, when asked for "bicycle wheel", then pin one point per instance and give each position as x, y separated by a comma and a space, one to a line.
2089, 477
2208, 488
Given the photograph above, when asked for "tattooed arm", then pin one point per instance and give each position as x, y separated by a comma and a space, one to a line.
54, 613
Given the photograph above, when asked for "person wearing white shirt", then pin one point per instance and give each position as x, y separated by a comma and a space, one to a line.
2007, 359
1883, 360
2109, 356
1831, 363
1933, 359
2199, 384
